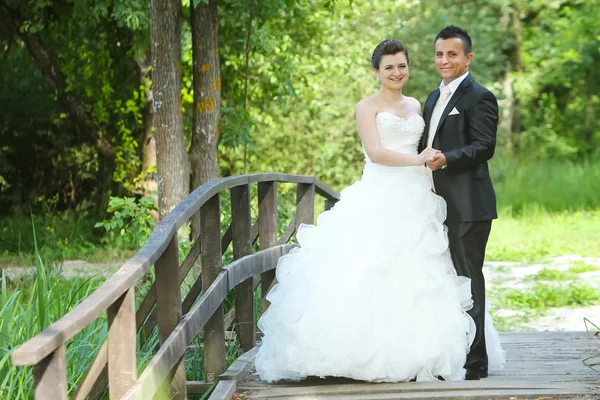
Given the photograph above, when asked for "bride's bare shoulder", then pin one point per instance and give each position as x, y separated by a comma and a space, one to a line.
414, 105
367, 105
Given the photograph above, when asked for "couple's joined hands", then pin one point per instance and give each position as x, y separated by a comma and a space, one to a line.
434, 159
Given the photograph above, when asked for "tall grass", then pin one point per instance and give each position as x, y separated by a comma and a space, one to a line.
28, 306
26, 309
546, 186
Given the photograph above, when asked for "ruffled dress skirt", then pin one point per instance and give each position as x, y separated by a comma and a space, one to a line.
371, 293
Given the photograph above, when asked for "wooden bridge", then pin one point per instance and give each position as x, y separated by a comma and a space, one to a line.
540, 365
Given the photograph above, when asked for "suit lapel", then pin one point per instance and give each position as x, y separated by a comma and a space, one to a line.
462, 88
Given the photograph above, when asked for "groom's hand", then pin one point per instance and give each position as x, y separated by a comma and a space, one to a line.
438, 162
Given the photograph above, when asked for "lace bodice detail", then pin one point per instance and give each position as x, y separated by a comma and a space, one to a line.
399, 134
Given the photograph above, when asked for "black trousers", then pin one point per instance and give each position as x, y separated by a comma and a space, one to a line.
467, 247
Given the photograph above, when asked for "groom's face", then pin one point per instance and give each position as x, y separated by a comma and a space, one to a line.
450, 59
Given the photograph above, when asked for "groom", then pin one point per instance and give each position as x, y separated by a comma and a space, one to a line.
461, 119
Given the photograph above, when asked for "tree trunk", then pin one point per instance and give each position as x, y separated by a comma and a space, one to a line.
207, 96
590, 124
147, 184
516, 111
57, 81
507, 109
171, 157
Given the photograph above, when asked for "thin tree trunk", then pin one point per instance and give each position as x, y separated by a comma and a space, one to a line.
516, 112
147, 183
207, 96
247, 54
57, 81
590, 79
507, 110
171, 157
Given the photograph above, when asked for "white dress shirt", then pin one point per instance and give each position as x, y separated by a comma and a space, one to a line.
446, 92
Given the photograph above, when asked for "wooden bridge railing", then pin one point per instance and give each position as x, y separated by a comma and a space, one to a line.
179, 321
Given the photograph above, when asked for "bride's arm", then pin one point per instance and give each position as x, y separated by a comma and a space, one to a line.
367, 128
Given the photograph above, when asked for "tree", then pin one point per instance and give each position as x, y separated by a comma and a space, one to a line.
207, 95
171, 157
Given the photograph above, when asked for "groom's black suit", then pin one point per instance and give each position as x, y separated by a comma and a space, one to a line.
468, 141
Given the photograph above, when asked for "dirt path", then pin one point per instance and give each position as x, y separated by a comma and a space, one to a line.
68, 269
520, 276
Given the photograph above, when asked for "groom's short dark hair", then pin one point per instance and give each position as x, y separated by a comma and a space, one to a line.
452, 31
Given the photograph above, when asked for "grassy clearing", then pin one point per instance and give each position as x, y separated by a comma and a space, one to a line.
551, 186
518, 299
537, 235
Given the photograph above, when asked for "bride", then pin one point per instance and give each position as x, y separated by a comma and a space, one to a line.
371, 293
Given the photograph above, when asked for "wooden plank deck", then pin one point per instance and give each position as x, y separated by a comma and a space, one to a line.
541, 365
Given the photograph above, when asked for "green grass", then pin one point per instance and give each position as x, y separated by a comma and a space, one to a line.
28, 306
534, 302
548, 274
580, 267
552, 186
537, 235
62, 236
543, 296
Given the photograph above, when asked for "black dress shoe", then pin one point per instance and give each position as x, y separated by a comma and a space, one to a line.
483, 373
473, 375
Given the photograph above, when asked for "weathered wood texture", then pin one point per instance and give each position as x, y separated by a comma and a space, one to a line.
541, 365
122, 362
50, 376
224, 390
305, 201
267, 231
168, 305
245, 323
214, 330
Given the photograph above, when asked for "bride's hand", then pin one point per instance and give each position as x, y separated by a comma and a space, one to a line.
428, 154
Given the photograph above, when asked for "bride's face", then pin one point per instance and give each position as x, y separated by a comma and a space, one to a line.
393, 71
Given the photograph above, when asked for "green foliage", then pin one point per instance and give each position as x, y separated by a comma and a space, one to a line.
551, 185
581, 267
61, 236
131, 223
30, 305
26, 309
542, 296
547, 274
536, 235
559, 83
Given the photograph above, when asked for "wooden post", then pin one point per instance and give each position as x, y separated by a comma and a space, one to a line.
329, 204
305, 204
245, 323
122, 367
214, 330
267, 231
50, 376
168, 304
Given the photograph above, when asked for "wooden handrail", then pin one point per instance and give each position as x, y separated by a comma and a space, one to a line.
36, 349
46, 351
191, 324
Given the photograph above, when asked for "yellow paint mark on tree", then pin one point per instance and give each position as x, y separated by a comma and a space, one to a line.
205, 67
216, 84
207, 104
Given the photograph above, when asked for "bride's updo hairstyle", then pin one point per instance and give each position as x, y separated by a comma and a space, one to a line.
387, 47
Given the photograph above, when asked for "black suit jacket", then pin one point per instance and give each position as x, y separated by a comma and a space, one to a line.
468, 140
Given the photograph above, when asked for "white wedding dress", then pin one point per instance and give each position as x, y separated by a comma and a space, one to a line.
371, 293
